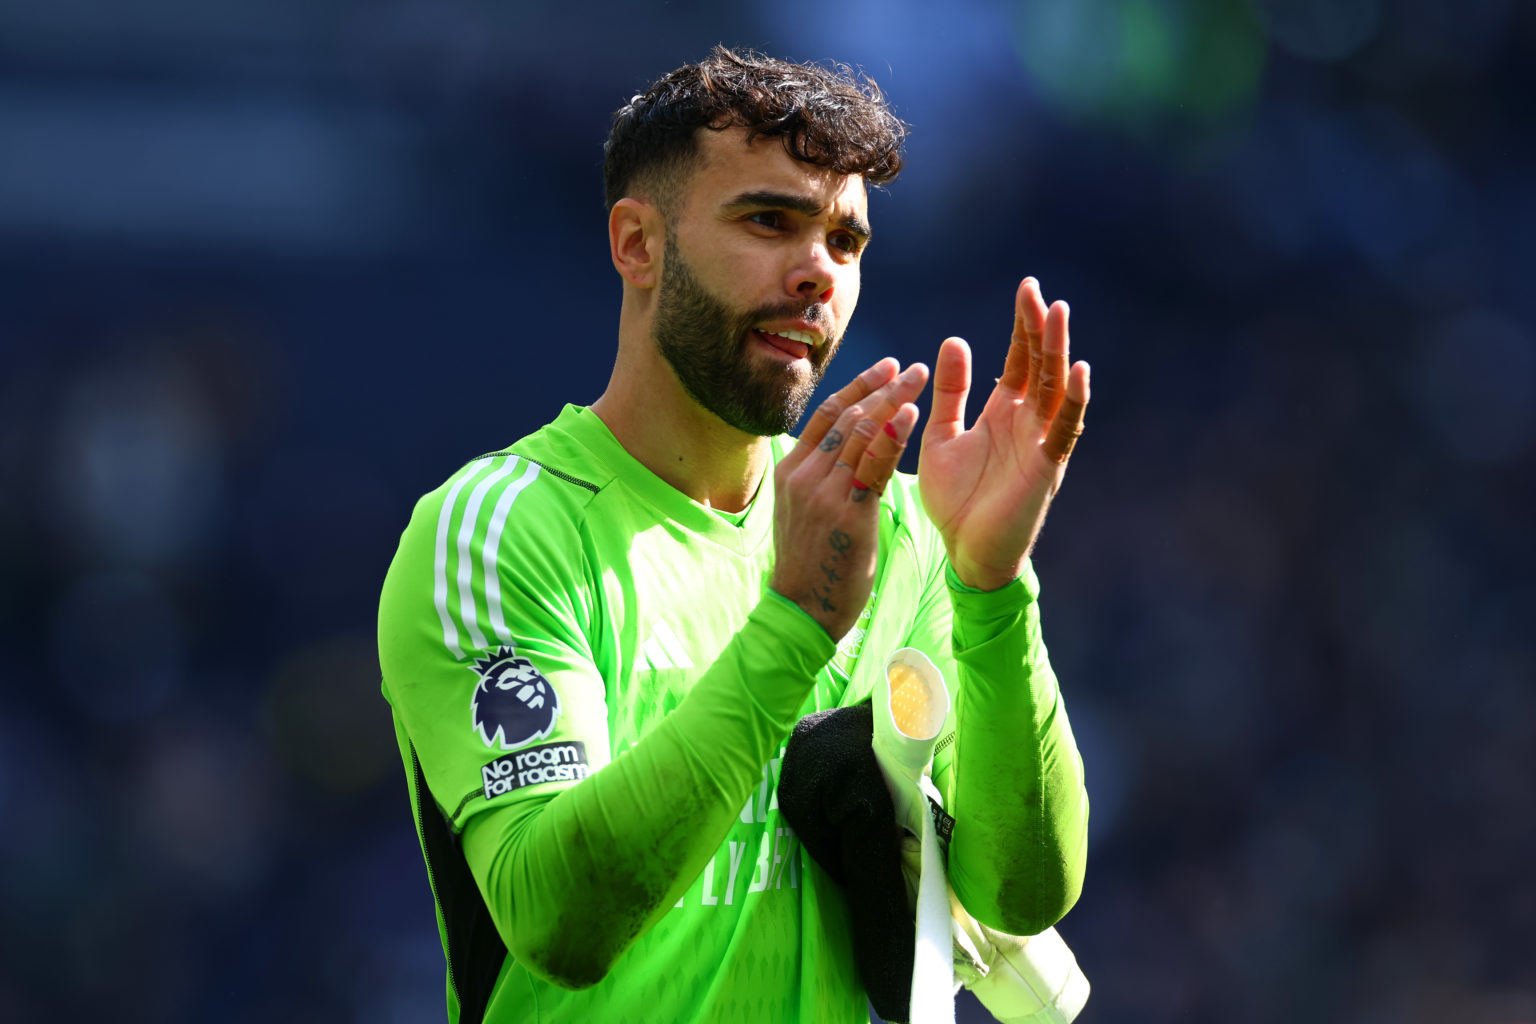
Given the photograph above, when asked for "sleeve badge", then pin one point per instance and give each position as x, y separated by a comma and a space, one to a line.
513, 703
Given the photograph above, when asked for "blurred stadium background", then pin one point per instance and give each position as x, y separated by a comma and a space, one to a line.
270, 271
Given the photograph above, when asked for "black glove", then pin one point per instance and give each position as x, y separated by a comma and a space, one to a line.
832, 793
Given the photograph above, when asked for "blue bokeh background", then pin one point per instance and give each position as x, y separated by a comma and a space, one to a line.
270, 271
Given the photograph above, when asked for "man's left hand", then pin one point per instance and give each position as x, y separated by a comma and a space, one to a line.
987, 488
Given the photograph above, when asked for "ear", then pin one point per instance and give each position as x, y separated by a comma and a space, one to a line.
637, 235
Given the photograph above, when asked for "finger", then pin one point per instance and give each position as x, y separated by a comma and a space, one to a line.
883, 403
843, 474
951, 385
1022, 364
1067, 427
828, 412
878, 406
830, 451
884, 453
1053, 362
1032, 310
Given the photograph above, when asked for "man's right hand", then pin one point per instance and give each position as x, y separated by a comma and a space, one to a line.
827, 507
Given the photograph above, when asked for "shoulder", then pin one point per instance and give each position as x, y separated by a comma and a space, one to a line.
501, 535
532, 496
544, 484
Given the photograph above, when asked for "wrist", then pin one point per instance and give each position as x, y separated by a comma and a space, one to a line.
818, 610
982, 616
984, 578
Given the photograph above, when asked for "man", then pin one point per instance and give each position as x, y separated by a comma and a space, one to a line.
596, 641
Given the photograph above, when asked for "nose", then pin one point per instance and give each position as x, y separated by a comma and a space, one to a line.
814, 275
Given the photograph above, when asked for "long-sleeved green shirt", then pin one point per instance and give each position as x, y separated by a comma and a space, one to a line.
591, 686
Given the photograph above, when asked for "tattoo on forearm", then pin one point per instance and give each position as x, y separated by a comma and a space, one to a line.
840, 541
833, 441
831, 573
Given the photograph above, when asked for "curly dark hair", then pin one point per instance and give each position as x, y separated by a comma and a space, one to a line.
827, 116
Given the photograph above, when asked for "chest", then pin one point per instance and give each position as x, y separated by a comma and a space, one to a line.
677, 600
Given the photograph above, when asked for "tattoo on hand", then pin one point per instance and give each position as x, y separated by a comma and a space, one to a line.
823, 595
862, 493
834, 441
840, 542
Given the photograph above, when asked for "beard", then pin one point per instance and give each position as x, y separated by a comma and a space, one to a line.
708, 345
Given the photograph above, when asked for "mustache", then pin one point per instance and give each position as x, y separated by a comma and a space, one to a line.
814, 314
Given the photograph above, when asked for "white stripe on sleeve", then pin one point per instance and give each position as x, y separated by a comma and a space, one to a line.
467, 611
440, 560
493, 545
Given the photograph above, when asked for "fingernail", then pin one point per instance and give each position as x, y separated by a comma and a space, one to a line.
890, 430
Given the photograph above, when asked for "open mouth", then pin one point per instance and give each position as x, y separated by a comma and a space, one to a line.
789, 346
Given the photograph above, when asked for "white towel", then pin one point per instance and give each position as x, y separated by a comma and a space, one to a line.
1019, 979
909, 714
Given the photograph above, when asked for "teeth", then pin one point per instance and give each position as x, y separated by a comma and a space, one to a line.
800, 336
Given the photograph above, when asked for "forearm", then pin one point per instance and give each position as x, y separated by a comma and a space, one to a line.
572, 882
1020, 842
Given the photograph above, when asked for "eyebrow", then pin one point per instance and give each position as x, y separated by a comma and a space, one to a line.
767, 198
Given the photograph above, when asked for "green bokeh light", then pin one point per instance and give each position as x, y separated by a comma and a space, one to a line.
1150, 68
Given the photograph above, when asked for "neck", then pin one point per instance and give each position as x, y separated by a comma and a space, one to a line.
669, 433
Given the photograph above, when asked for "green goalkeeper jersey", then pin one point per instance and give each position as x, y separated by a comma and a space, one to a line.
591, 686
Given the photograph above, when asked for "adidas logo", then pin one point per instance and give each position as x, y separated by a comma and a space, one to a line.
662, 650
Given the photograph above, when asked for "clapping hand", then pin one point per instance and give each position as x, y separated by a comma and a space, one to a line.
987, 488
826, 531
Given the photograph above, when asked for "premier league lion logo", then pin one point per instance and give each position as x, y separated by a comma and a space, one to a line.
514, 704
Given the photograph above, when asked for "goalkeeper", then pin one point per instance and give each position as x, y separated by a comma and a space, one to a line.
596, 640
